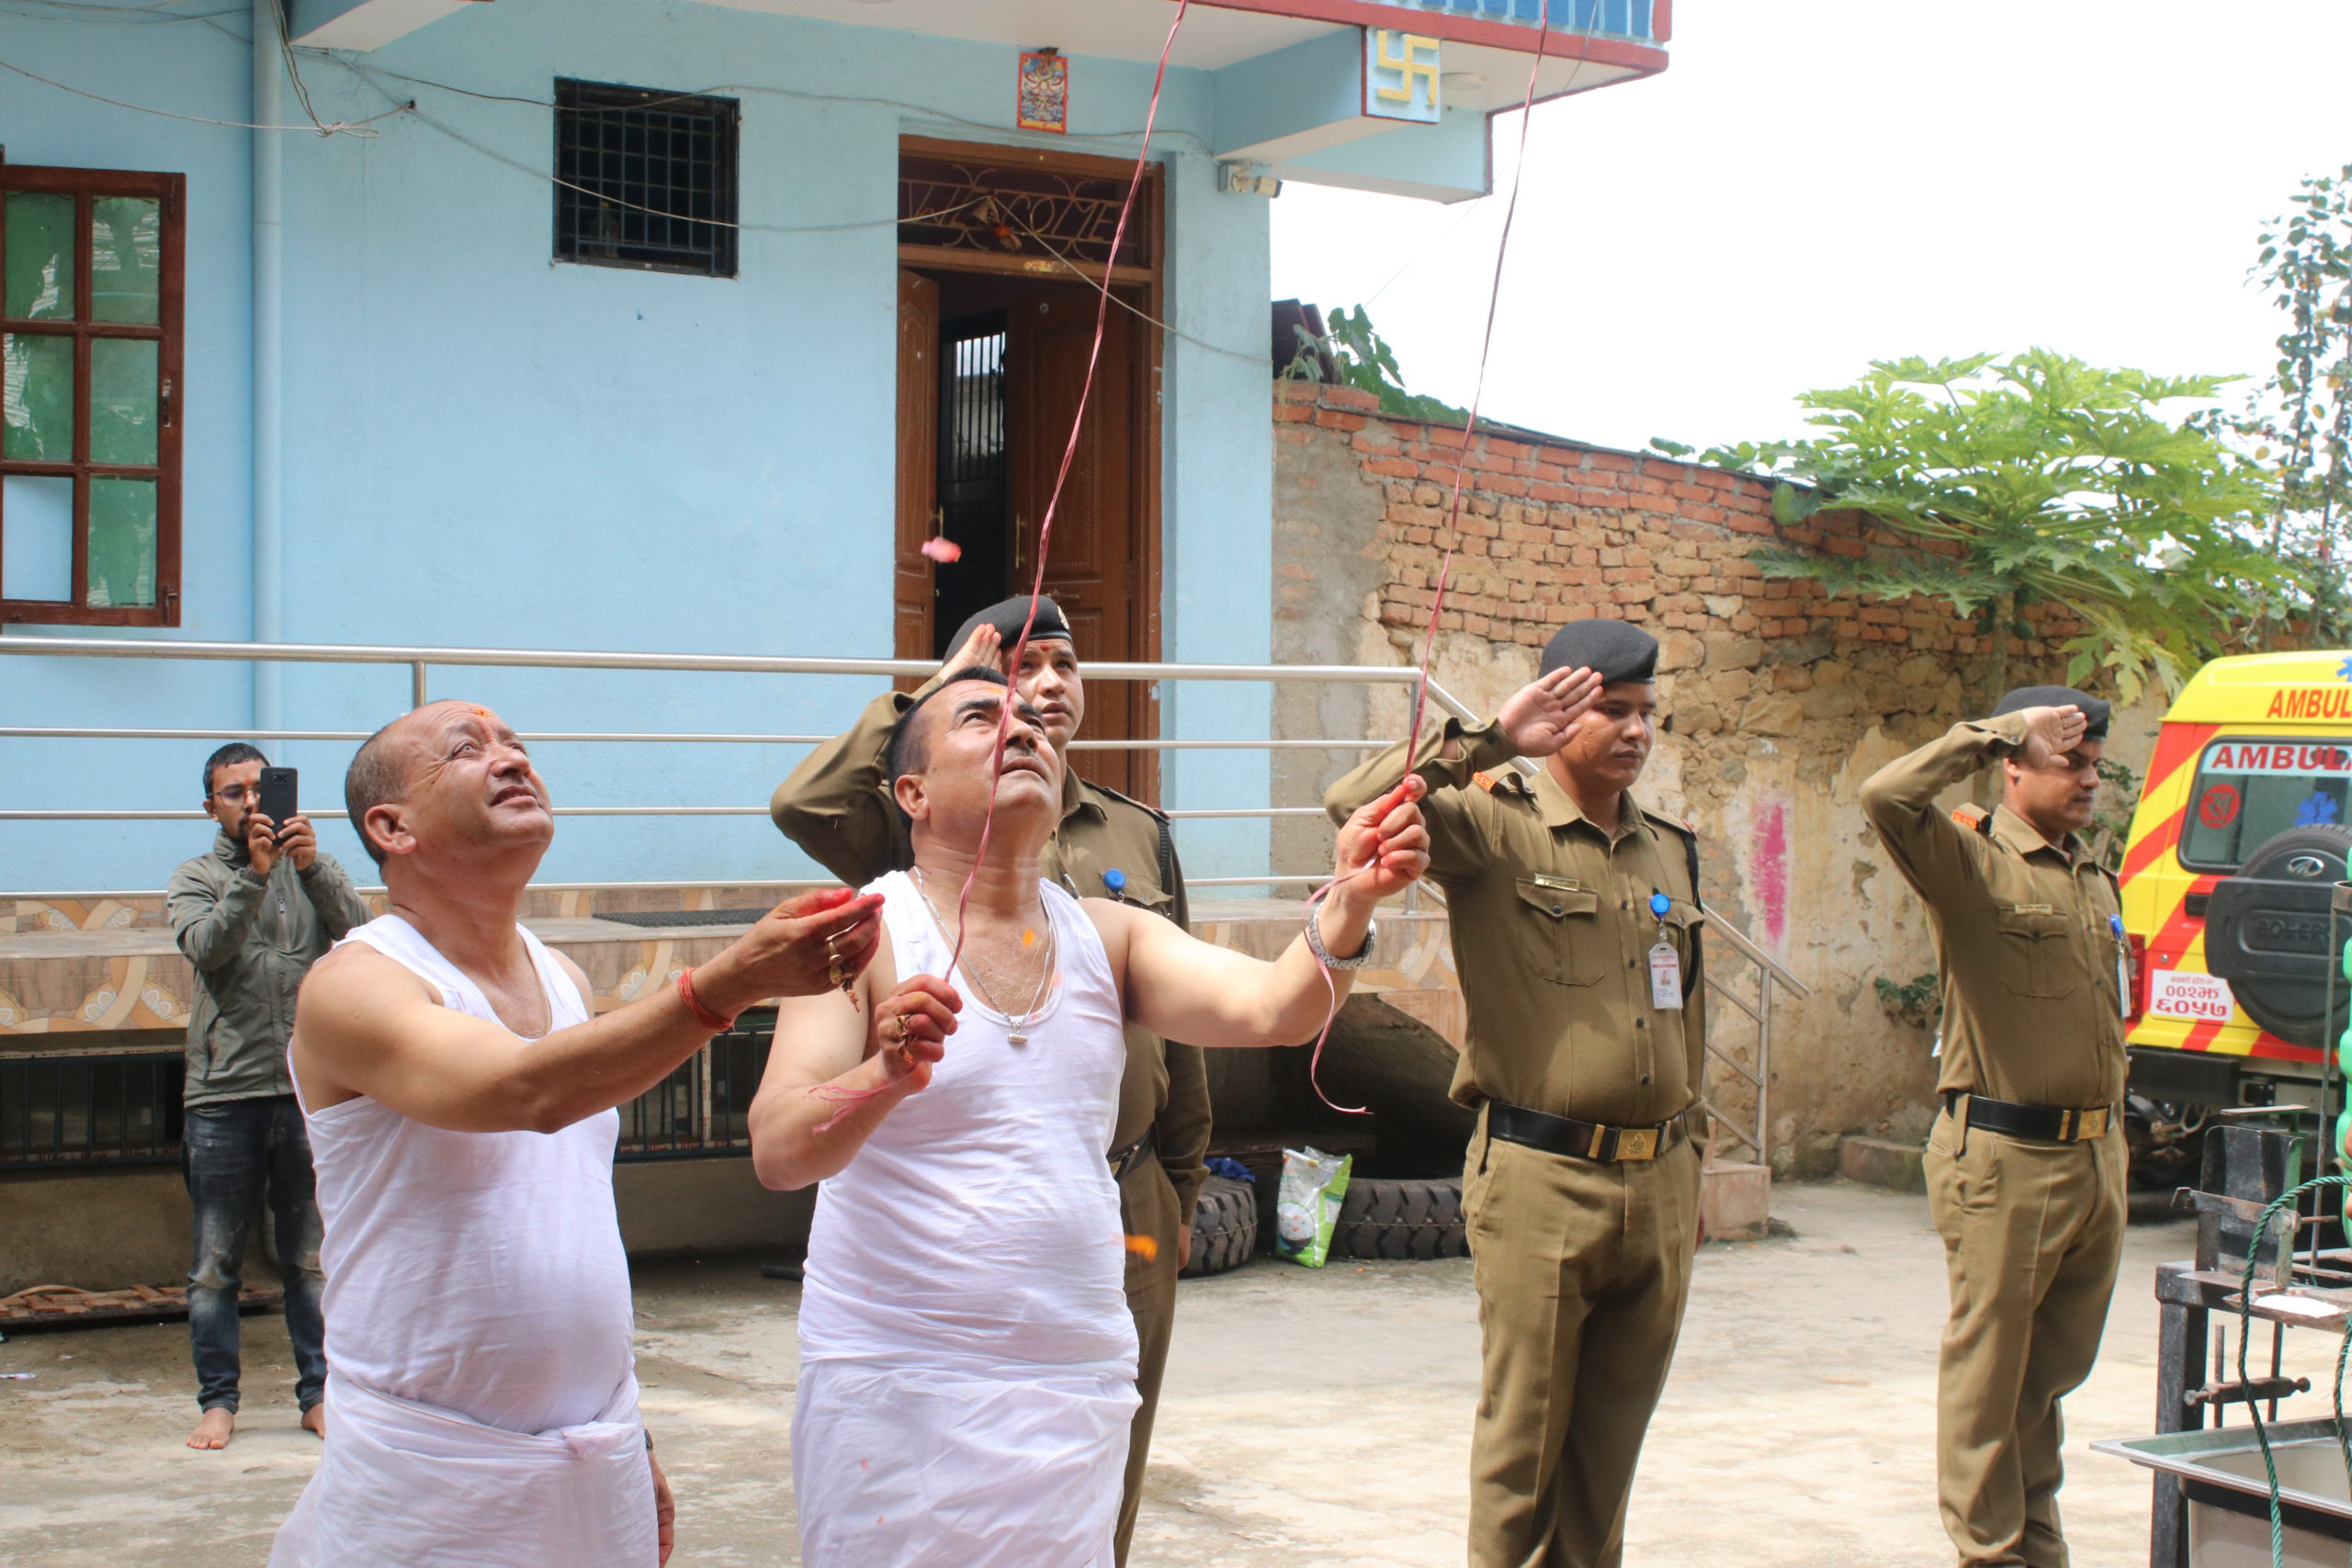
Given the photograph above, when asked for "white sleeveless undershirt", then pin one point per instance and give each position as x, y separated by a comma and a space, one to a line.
978, 1226
480, 1272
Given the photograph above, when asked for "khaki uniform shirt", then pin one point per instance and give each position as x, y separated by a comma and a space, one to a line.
251, 940
836, 806
2024, 934
1551, 931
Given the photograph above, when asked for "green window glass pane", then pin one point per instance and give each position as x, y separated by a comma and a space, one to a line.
122, 399
126, 259
38, 232
122, 543
36, 397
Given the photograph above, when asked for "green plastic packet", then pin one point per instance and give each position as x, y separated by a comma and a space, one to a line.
1307, 1204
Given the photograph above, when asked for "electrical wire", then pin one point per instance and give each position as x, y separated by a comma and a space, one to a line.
925, 111
1135, 310
349, 127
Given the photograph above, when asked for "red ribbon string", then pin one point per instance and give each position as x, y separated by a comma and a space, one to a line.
1061, 476
1453, 533
847, 1097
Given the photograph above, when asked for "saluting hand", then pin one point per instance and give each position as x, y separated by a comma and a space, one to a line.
984, 648
1385, 846
2051, 734
1540, 714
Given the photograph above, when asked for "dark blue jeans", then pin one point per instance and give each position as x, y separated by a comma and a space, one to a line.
232, 1154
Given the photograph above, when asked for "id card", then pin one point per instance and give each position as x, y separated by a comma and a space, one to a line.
1666, 976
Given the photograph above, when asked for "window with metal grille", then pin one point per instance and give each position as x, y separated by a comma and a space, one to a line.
87, 1111
645, 179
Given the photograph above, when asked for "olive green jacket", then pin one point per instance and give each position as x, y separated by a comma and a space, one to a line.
251, 940
837, 807
1552, 929
2027, 934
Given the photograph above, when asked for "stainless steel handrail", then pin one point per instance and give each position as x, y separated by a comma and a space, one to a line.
54, 732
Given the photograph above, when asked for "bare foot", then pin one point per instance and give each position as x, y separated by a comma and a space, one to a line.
213, 1431
314, 1420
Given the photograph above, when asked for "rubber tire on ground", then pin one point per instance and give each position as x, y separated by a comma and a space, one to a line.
1395, 1218
1224, 1227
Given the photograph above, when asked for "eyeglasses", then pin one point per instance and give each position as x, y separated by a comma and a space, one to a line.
237, 794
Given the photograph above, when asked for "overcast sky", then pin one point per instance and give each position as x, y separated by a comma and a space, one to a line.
1815, 184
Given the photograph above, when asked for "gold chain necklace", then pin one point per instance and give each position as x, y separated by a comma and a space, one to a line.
1018, 1027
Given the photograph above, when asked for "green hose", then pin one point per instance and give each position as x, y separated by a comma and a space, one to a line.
2254, 1407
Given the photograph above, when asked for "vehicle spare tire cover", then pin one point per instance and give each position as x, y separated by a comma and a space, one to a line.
2267, 933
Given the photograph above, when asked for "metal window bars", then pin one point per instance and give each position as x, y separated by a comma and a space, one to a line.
699, 1109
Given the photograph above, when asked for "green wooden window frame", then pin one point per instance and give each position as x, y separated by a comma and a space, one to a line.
92, 301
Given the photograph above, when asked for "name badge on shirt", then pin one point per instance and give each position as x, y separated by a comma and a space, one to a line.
1666, 976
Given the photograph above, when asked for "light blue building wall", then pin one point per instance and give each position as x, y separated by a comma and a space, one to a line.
481, 448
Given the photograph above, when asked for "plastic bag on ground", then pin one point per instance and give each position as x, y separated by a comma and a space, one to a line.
1307, 1204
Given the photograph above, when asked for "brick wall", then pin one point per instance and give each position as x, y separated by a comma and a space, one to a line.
1781, 698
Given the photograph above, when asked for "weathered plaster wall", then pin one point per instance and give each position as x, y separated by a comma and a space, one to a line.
1782, 700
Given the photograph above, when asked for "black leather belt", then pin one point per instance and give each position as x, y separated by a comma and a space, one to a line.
1583, 1140
2051, 1124
1122, 1160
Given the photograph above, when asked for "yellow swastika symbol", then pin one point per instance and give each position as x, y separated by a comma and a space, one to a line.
1415, 57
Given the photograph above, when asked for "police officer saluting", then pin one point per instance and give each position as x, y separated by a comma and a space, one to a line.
837, 807
1576, 921
2025, 1164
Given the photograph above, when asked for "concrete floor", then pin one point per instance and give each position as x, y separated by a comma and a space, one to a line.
1311, 1418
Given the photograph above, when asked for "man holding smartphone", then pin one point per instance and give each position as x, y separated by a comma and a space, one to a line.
252, 916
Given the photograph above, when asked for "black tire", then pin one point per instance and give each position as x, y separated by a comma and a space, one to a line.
1401, 1219
1224, 1227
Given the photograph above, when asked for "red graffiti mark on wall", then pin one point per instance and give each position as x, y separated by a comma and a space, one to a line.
1767, 869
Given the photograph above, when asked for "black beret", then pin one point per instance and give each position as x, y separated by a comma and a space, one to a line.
2095, 710
1007, 618
1616, 651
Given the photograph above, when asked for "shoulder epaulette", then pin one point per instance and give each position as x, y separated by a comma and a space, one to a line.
1089, 786
1973, 817
1484, 780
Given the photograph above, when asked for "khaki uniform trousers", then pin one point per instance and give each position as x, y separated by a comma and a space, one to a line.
1147, 1205
1583, 1268
2033, 1232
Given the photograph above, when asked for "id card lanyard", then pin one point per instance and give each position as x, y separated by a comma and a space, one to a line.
2122, 967
1665, 964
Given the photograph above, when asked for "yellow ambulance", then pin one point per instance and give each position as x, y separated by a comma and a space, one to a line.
2240, 835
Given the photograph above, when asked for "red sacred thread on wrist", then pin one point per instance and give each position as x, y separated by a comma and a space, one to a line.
703, 1015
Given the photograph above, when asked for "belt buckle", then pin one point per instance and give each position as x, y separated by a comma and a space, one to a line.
2091, 1124
1635, 1143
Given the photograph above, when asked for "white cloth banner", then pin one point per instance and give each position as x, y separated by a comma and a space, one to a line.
407, 1485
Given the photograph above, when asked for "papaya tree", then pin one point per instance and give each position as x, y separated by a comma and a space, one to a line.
2040, 479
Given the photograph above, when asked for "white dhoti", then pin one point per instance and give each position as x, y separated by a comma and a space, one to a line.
407, 1485
905, 1467
968, 1358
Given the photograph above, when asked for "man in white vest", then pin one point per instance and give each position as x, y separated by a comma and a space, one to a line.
460, 1096
968, 1358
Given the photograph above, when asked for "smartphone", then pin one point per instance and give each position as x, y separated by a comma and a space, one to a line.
277, 797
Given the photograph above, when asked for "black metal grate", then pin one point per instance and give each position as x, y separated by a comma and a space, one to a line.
87, 1111
975, 472
645, 179
705, 1107
656, 919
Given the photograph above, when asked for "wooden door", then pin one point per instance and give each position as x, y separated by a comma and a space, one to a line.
918, 435
1094, 564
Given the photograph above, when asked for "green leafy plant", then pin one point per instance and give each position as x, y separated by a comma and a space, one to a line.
1365, 361
2111, 826
1918, 1003
2302, 418
2038, 479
